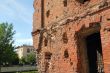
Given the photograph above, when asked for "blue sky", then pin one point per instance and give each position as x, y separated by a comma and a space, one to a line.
19, 13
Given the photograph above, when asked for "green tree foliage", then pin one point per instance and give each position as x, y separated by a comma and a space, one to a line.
31, 58
15, 60
7, 54
22, 61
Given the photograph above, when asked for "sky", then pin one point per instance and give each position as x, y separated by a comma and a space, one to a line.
20, 14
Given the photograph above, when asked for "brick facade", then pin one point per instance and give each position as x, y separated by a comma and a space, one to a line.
59, 31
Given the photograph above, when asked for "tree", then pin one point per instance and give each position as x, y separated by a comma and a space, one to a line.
6, 44
31, 58
15, 60
22, 61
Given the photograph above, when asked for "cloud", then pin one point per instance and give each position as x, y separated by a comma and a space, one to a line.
16, 10
20, 13
18, 34
22, 41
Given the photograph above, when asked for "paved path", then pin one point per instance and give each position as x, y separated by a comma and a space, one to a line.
18, 69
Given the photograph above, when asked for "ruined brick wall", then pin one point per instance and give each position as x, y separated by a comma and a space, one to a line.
59, 29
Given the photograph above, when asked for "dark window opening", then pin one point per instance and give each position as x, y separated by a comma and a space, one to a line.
65, 38
65, 3
28, 50
48, 13
94, 53
66, 55
82, 1
45, 42
48, 55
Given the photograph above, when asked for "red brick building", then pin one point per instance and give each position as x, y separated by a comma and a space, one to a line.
72, 36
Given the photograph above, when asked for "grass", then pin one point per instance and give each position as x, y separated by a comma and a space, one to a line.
30, 72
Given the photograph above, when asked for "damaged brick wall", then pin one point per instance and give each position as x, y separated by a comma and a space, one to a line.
59, 31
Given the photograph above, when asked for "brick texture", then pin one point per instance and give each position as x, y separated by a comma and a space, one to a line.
59, 31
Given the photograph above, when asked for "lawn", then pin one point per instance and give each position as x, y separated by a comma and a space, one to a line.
30, 72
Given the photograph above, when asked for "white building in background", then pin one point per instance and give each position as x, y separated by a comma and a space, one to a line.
24, 50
